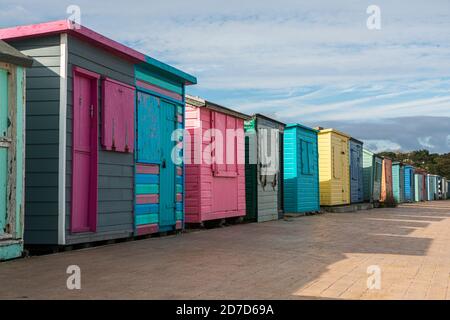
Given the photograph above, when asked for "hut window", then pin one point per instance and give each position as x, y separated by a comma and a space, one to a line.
306, 157
118, 116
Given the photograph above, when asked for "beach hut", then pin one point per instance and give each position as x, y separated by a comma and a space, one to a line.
409, 183
301, 169
356, 170
418, 186
263, 168
12, 153
82, 146
448, 189
215, 174
432, 187
334, 167
372, 169
439, 188
444, 186
386, 182
398, 181
159, 175
425, 187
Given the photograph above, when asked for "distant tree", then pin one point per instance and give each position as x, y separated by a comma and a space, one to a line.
432, 162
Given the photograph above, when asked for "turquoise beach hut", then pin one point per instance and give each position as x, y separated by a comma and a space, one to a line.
398, 181
372, 168
301, 173
409, 183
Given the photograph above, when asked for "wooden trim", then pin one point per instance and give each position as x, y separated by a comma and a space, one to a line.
85, 72
33, 30
62, 139
10, 142
24, 116
159, 90
159, 95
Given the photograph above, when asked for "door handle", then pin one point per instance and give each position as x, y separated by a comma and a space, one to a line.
164, 164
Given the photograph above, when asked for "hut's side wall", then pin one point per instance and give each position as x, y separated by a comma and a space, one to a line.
356, 171
386, 183
368, 175
396, 181
42, 134
290, 170
325, 169
193, 178
377, 178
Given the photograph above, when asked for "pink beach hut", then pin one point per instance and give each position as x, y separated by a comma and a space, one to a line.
215, 162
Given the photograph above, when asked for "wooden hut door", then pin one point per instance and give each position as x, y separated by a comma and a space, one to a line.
4, 147
167, 179
85, 144
156, 121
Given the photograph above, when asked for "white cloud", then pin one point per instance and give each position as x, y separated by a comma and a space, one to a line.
381, 145
425, 142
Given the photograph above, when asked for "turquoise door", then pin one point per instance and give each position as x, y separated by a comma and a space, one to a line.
156, 121
167, 198
4, 144
148, 129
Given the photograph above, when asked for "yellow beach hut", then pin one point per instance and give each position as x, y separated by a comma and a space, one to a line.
334, 167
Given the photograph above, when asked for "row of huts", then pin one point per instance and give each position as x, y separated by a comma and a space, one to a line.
101, 142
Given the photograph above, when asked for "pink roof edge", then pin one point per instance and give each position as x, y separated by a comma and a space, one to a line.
66, 26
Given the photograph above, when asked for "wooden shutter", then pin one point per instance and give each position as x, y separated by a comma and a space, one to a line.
118, 116
221, 123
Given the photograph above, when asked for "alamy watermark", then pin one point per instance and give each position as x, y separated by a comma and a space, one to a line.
74, 18
74, 280
374, 279
374, 20
227, 147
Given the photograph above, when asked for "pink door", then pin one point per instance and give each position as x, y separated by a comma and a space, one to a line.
85, 142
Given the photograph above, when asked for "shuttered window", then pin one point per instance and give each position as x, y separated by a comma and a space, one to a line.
118, 116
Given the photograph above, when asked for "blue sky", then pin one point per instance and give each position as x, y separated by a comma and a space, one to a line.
299, 61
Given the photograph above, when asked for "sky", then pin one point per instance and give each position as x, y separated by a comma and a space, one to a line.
311, 62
